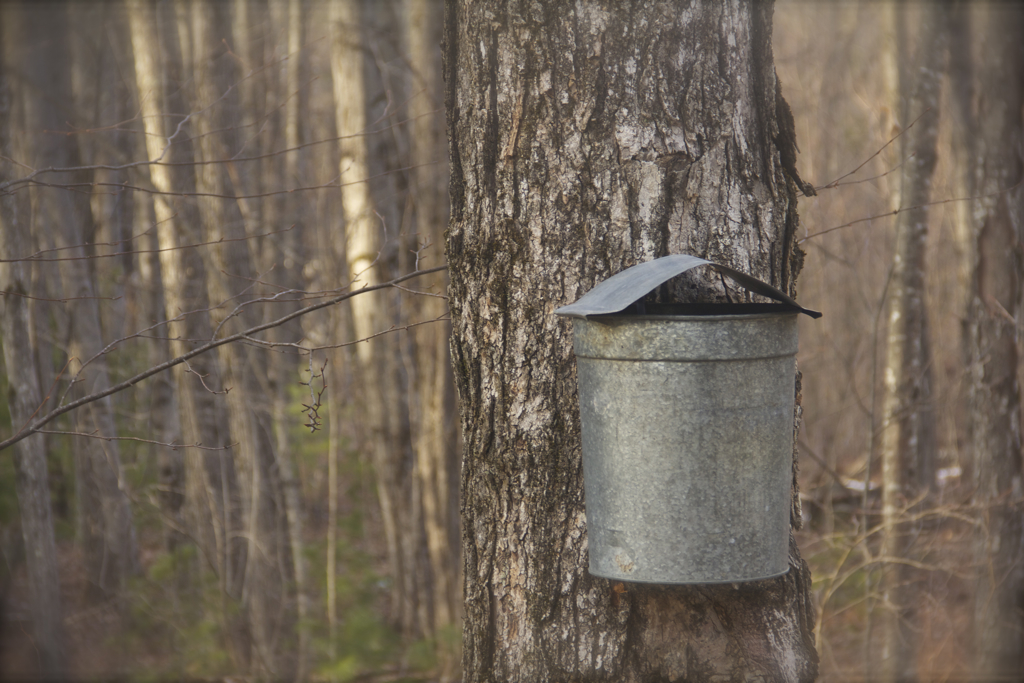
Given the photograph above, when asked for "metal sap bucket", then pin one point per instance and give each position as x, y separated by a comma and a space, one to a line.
687, 416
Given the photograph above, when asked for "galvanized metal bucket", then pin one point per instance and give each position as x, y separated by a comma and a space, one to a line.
687, 419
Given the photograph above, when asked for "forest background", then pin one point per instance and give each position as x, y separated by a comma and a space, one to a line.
286, 505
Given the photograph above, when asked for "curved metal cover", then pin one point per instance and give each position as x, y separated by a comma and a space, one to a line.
627, 286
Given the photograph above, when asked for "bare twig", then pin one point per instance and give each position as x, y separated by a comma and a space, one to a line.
838, 181
223, 240
315, 397
202, 380
310, 349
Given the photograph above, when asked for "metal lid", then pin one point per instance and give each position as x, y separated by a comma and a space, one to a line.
630, 285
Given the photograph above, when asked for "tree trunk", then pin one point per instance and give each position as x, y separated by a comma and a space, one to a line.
108, 543
434, 437
209, 476
279, 258
372, 251
585, 138
963, 90
891, 58
907, 448
994, 326
24, 395
284, 367
362, 246
264, 590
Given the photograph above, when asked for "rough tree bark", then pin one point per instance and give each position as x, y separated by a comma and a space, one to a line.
994, 327
586, 137
907, 448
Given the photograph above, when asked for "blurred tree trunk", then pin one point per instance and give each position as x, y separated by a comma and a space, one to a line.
163, 410
435, 437
211, 486
338, 400
24, 395
373, 252
284, 366
907, 448
31, 483
361, 247
892, 60
994, 333
963, 146
105, 517
388, 154
277, 259
265, 589
248, 178
587, 137
162, 407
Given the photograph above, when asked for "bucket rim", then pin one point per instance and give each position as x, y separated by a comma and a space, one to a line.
753, 312
686, 582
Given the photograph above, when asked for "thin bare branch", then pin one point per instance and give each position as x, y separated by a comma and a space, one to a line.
222, 240
837, 181
36, 425
900, 210
330, 185
310, 349
173, 446
61, 300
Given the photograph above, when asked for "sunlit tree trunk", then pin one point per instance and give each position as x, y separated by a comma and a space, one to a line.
587, 137
24, 395
325, 269
210, 485
994, 333
361, 241
382, 363
907, 448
